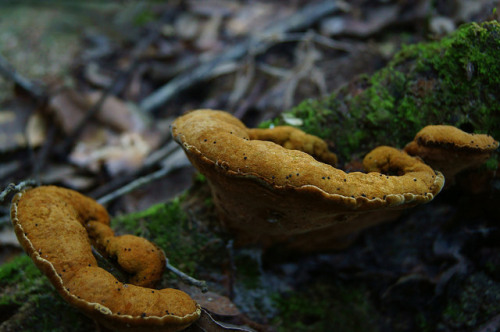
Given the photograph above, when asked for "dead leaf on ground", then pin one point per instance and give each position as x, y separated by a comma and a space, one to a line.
14, 117
118, 139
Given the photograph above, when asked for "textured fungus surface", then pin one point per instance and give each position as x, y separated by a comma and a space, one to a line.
50, 223
451, 150
295, 139
266, 193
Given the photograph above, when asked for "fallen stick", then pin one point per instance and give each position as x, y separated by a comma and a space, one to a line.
302, 19
10, 73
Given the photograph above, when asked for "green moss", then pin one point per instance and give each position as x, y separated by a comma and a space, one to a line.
23, 276
326, 306
167, 226
248, 268
31, 303
472, 302
453, 81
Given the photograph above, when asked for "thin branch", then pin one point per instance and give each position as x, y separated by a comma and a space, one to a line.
178, 161
300, 20
10, 73
201, 284
16, 188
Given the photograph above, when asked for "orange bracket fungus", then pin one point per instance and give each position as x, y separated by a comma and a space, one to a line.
266, 193
57, 227
451, 150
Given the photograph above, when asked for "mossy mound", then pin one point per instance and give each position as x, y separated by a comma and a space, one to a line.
28, 302
328, 305
452, 81
186, 243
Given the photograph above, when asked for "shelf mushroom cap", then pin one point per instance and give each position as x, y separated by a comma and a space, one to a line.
50, 223
451, 150
264, 191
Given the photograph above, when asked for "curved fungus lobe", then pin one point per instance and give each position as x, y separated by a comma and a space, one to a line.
266, 193
451, 150
57, 227
295, 139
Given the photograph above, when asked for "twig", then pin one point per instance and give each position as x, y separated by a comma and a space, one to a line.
208, 323
232, 267
304, 18
10, 189
179, 160
201, 284
316, 38
16, 188
7, 71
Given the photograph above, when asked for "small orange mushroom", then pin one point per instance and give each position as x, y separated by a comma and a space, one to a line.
53, 226
451, 150
265, 193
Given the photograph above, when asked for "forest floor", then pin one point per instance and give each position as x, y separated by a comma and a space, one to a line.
87, 94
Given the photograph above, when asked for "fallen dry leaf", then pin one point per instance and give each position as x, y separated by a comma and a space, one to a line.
14, 117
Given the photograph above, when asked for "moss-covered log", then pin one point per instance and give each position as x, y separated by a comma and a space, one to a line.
452, 81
